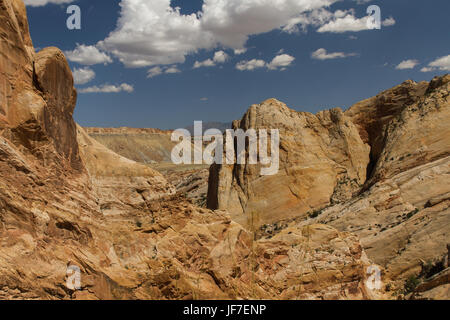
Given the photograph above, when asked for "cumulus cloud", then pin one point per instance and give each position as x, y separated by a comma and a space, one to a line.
346, 21
314, 18
426, 69
219, 57
239, 51
388, 22
156, 71
151, 32
107, 88
88, 55
280, 62
322, 54
205, 63
441, 64
172, 69
250, 65
83, 75
38, 3
407, 64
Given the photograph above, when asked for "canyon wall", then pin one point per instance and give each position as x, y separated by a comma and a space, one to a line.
66, 200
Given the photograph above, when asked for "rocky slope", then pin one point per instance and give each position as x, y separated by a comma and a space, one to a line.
380, 170
403, 215
66, 200
153, 148
146, 146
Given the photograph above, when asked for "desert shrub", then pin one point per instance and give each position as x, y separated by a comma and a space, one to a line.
431, 268
411, 284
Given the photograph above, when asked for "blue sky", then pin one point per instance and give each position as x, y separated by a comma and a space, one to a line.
134, 59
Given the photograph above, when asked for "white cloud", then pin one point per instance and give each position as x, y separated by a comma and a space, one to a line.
38, 3
345, 21
388, 22
88, 55
205, 63
151, 32
156, 71
426, 69
172, 69
407, 64
250, 65
315, 18
442, 63
281, 61
153, 72
107, 88
239, 51
219, 57
83, 75
322, 54
204, 99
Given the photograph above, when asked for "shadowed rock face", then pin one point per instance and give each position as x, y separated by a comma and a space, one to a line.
403, 216
371, 116
67, 200
36, 92
53, 78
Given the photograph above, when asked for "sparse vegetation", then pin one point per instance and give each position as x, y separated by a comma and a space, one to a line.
431, 268
411, 284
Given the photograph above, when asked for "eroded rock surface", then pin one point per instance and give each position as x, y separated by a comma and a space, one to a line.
66, 200
404, 216
322, 160
379, 170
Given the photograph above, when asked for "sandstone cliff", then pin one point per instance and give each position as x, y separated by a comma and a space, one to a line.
380, 170
403, 214
67, 200
322, 160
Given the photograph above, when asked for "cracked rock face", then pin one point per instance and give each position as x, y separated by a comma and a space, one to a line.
379, 170
403, 215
